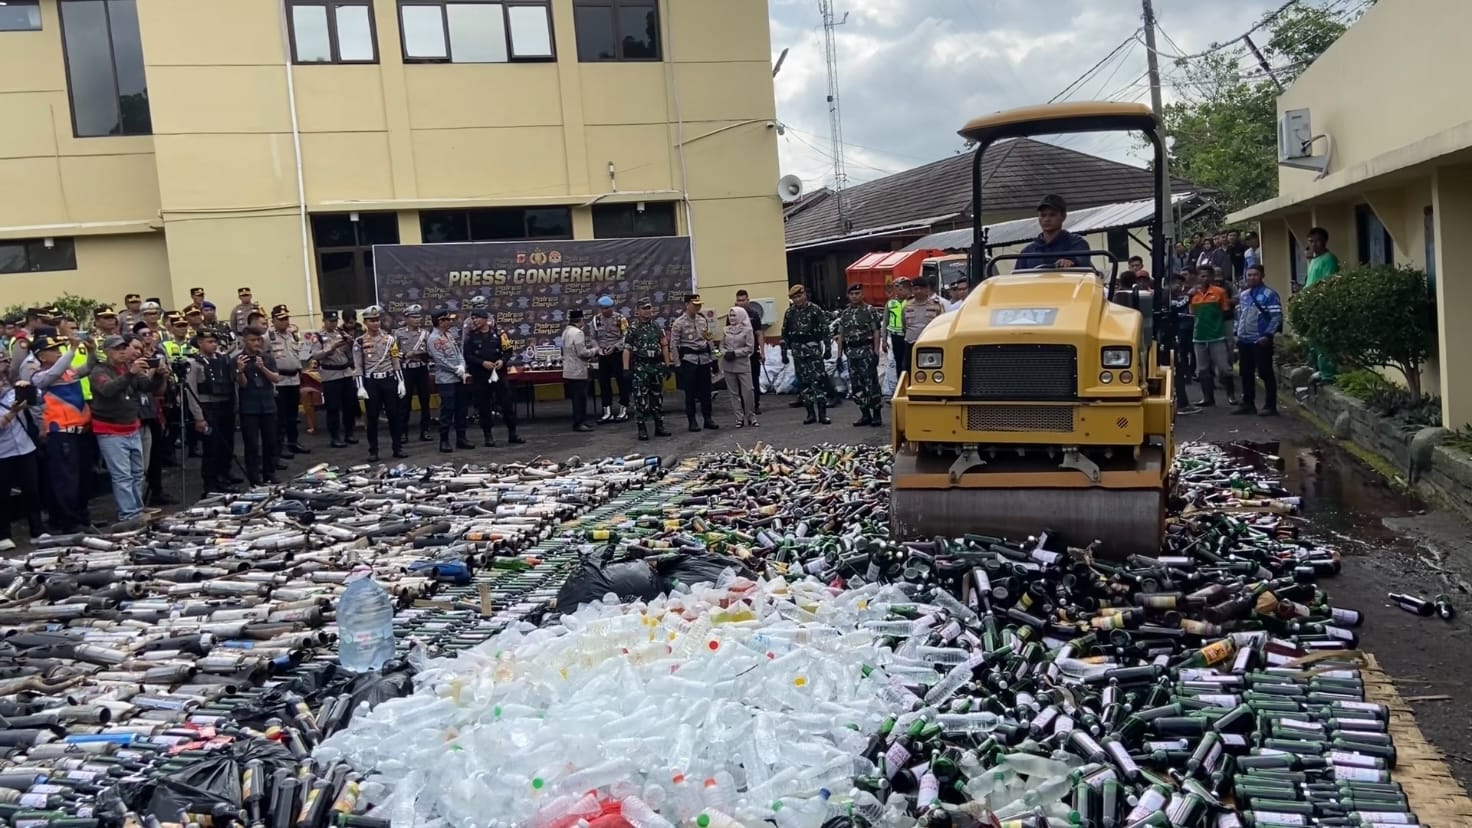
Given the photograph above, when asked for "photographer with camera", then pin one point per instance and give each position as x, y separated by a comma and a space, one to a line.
177, 349
209, 391
256, 378
65, 423
20, 469
122, 389
150, 407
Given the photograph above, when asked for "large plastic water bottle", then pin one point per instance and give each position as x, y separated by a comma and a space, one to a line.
365, 625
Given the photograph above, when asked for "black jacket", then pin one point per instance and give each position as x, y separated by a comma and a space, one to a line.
485, 346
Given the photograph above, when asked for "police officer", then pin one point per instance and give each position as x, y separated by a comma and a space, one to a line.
805, 335
240, 313
352, 329
476, 303
334, 356
690, 337
647, 359
860, 338
451, 379
223, 334
177, 348
290, 351
210, 395
380, 381
609, 328
132, 312
413, 340
487, 354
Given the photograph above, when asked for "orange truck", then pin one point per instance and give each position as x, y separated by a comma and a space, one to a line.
877, 271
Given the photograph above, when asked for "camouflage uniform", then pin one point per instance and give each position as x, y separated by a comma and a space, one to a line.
805, 334
646, 363
857, 325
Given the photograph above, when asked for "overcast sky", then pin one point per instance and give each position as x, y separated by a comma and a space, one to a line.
911, 72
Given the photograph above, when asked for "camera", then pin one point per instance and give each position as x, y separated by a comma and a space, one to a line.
180, 367
25, 393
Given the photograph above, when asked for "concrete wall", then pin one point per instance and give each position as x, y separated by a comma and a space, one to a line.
219, 173
108, 266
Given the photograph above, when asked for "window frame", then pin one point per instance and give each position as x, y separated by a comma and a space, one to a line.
657, 206
361, 250
615, 6
334, 43
30, 4
506, 5
66, 242
112, 53
466, 216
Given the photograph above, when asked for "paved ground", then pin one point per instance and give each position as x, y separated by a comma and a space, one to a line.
1390, 541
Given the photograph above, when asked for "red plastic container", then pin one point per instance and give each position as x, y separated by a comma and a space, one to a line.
877, 271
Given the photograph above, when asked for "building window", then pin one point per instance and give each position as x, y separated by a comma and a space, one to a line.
104, 68
1372, 240
617, 29
476, 31
20, 16
344, 243
495, 224
37, 255
332, 31
628, 221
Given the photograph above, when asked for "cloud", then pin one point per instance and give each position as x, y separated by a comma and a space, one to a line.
910, 72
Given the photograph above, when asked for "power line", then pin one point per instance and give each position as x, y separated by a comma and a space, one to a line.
1092, 69
1217, 47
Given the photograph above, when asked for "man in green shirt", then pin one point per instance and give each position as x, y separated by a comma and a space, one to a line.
1322, 265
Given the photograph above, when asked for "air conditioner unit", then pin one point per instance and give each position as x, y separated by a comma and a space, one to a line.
1294, 133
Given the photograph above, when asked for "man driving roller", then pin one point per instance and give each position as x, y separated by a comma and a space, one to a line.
1054, 247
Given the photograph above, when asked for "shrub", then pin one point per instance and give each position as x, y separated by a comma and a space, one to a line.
1390, 400
1370, 317
1290, 350
80, 307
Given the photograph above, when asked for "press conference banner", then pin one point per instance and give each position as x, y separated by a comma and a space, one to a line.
530, 286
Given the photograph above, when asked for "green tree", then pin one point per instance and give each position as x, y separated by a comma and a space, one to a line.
1377, 316
1224, 135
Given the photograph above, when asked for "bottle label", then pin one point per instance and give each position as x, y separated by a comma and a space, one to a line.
895, 758
1276, 818
33, 800
1339, 633
929, 790
1352, 774
1217, 651
1354, 705
1356, 760
1218, 700
950, 631
1348, 617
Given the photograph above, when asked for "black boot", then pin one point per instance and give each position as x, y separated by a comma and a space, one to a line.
424, 434
694, 426
373, 455
490, 440
514, 439
399, 452
643, 432
660, 430
823, 413
710, 424
876, 419
864, 418
462, 443
445, 445
812, 418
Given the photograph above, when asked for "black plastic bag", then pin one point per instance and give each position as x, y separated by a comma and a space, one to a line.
214, 782
699, 568
630, 581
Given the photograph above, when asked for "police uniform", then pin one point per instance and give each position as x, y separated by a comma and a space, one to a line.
690, 339
177, 351
805, 334
894, 315
241, 312
857, 325
128, 318
334, 356
646, 346
608, 334
211, 401
919, 314
450, 378
290, 351
380, 377
490, 345
414, 358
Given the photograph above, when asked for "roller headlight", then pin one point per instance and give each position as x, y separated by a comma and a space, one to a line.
1115, 358
929, 358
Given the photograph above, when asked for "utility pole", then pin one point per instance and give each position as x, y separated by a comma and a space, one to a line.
1263, 62
835, 114
1152, 65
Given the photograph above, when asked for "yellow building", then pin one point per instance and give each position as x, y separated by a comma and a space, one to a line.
1388, 169
151, 146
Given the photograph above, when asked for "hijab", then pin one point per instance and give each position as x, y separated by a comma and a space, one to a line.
739, 333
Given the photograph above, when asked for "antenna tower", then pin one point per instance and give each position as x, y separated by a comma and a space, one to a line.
835, 116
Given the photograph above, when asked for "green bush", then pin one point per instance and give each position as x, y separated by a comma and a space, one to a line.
80, 307
1290, 350
1390, 400
1370, 317
1461, 440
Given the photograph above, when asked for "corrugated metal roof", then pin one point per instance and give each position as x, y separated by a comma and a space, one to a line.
1088, 220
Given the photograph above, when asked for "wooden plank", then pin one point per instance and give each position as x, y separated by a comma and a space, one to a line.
1421, 769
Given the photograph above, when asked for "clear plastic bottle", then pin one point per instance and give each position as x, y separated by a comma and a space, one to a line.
365, 625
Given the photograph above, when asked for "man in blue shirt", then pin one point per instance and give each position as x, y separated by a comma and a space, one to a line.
1259, 318
1053, 248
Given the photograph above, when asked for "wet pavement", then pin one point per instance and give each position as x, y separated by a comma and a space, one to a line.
1389, 540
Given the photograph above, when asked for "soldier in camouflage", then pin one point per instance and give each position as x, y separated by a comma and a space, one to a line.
805, 336
860, 328
647, 358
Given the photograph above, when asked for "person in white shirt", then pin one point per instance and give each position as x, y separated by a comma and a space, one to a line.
575, 357
956, 294
19, 461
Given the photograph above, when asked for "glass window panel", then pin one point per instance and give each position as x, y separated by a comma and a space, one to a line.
440, 226
497, 224
13, 258
378, 228
354, 34
20, 16
639, 30
310, 35
90, 69
61, 255
337, 278
531, 31
549, 223
477, 32
127, 49
594, 26
424, 32
332, 230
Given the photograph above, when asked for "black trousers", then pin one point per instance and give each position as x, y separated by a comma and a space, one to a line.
695, 379
258, 433
901, 353
758, 366
489, 397
219, 444
23, 474
418, 385
341, 398
577, 394
288, 404
1256, 360
65, 471
158, 452
383, 398
611, 367
454, 405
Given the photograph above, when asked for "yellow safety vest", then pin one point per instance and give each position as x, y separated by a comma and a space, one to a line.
896, 312
79, 359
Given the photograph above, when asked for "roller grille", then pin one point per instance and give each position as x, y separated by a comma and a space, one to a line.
1020, 418
1020, 372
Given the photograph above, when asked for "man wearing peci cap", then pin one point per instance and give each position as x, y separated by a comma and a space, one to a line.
646, 358
334, 356
380, 381
413, 340
239, 314
1054, 247
290, 351
805, 335
609, 328
210, 390
691, 339
451, 379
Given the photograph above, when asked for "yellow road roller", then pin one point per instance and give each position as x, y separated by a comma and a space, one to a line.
1045, 402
